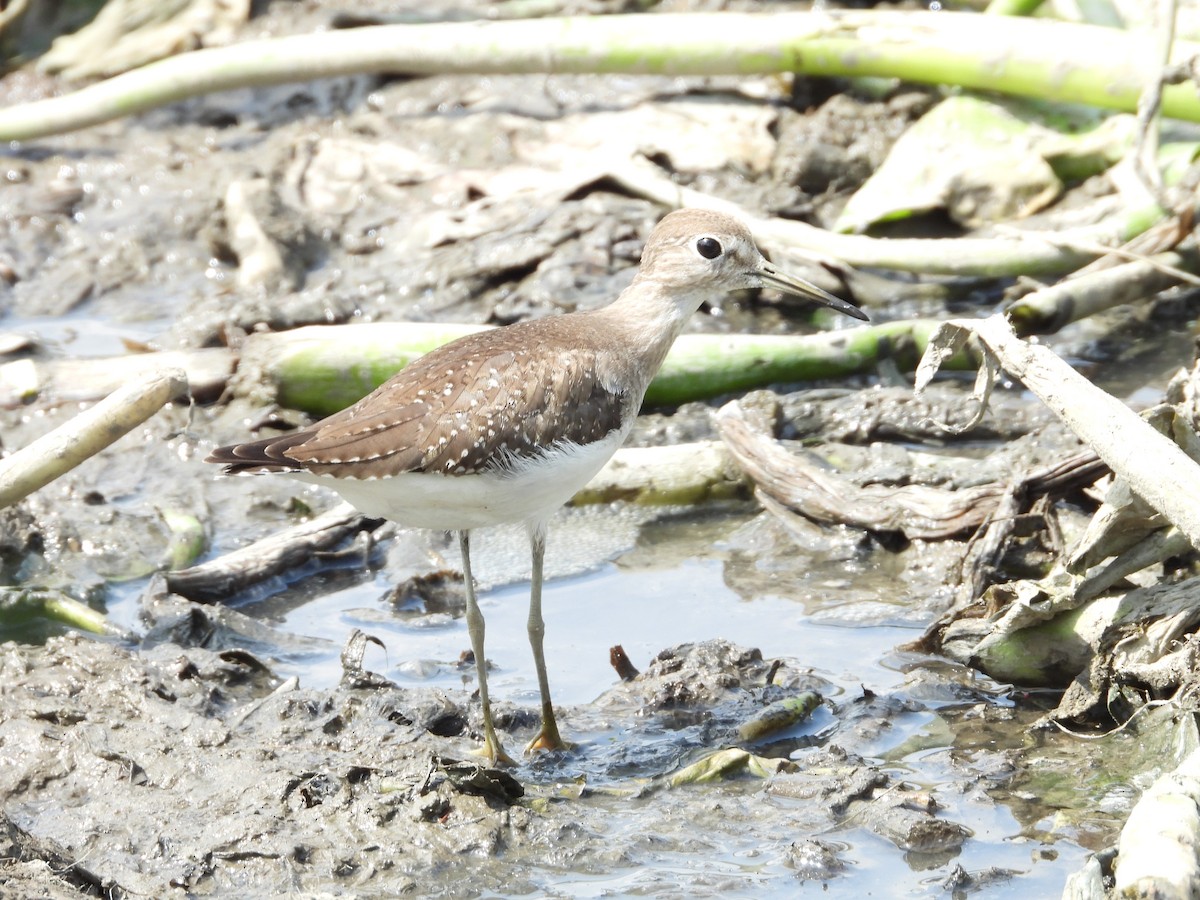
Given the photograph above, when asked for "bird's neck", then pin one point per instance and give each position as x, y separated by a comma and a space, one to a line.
649, 316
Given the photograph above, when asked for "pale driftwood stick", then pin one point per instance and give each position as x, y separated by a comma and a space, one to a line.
917, 511
1154, 466
1040, 58
51, 455
1049, 309
1158, 854
1159, 546
1149, 106
207, 371
222, 577
10, 15
1017, 252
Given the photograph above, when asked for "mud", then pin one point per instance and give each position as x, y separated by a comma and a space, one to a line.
183, 768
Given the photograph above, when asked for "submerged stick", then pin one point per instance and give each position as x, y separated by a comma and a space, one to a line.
56, 453
1050, 60
220, 578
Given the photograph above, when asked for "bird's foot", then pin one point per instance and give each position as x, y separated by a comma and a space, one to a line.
493, 751
547, 739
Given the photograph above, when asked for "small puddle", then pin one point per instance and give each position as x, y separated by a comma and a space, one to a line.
671, 587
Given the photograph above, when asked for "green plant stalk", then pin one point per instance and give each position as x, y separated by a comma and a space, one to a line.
702, 366
1031, 57
1025, 252
1013, 7
24, 603
321, 369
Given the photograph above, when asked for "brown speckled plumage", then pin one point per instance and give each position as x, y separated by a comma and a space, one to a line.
477, 404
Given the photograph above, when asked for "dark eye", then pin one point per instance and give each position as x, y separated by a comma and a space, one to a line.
709, 248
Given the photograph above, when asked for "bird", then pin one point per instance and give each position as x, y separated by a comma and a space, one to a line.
506, 425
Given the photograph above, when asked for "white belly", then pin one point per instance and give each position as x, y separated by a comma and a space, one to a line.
528, 492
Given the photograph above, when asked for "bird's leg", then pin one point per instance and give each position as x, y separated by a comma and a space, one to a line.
548, 737
492, 748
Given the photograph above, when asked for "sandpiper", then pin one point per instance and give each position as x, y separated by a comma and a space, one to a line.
507, 425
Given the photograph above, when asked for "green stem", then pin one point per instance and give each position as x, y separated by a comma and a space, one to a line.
1013, 7
321, 369
20, 602
701, 366
1050, 60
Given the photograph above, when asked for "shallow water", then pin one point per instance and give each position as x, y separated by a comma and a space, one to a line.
642, 609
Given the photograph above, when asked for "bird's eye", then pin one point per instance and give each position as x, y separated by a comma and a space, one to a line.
709, 248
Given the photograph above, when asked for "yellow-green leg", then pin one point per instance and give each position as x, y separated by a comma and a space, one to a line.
548, 737
492, 748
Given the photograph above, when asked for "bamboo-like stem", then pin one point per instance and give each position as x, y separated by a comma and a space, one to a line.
323, 368
1029, 57
1017, 252
1047, 310
701, 366
17, 603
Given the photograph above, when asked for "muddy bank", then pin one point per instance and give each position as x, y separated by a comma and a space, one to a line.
141, 773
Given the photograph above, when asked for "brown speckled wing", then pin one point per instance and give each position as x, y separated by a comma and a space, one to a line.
474, 405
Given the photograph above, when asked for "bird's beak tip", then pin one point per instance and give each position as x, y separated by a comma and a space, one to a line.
803, 288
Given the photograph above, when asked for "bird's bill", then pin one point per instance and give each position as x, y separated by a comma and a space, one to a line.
772, 277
